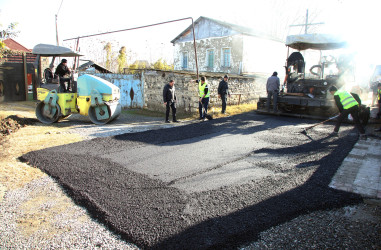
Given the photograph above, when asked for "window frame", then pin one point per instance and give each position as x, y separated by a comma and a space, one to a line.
184, 55
210, 52
223, 63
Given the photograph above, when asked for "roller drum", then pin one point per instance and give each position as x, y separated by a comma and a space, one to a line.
104, 113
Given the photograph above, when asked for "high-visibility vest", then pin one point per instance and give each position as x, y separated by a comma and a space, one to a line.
379, 94
346, 99
201, 88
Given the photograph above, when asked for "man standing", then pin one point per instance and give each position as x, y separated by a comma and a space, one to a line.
379, 99
346, 104
169, 97
62, 70
272, 88
223, 91
204, 94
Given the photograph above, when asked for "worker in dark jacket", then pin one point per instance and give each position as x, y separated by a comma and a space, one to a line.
169, 97
63, 71
347, 104
272, 88
223, 92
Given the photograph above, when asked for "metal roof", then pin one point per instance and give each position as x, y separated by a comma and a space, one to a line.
235, 27
315, 41
53, 50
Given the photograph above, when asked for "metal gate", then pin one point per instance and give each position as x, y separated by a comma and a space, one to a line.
131, 88
15, 78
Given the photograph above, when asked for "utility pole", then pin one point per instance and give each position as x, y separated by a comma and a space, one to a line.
57, 40
306, 24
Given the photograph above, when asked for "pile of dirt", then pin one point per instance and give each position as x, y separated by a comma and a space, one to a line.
13, 123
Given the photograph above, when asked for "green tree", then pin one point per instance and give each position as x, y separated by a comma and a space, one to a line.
122, 59
167, 66
9, 32
162, 65
108, 49
159, 65
143, 65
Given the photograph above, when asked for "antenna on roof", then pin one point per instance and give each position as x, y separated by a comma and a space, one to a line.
306, 24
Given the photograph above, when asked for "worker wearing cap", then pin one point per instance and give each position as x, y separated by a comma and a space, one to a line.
204, 94
62, 71
223, 92
346, 104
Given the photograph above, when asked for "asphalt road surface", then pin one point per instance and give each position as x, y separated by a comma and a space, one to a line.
213, 184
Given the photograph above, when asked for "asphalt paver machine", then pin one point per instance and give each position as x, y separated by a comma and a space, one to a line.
305, 94
88, 95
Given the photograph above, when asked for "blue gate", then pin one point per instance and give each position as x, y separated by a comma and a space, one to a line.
131, 89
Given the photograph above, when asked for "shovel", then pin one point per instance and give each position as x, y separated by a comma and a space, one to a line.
304, 132
209, 117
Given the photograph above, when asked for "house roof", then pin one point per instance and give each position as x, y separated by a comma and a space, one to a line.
238, 28
13, 45
94, 65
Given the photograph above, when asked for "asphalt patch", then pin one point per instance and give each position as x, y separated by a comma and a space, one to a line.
154, 215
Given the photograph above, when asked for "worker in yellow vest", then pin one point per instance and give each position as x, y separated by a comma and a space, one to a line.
204, 94
347, 104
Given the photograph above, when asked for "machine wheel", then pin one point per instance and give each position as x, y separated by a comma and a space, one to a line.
114, 111
286, 107
44, 118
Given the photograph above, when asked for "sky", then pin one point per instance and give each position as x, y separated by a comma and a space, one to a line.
357, 21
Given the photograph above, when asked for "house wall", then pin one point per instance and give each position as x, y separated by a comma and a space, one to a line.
216, 44
206, 29
148, 89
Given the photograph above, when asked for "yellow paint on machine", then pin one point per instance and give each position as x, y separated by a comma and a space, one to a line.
67, 102
83, 103
42, 93
70, 102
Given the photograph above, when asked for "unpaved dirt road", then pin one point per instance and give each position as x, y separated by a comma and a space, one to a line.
215, 184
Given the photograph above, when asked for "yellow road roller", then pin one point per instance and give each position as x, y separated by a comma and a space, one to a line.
94, 96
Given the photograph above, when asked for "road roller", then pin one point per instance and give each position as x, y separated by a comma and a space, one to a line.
90, 96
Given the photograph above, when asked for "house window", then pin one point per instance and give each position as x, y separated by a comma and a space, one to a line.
226, 57
185, 60
210, 58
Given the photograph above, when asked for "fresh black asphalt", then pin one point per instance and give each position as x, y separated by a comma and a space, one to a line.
146, 207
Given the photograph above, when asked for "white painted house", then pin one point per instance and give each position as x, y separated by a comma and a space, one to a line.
228, 48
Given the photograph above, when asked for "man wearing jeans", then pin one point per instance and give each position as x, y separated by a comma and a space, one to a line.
203, 101
272, 88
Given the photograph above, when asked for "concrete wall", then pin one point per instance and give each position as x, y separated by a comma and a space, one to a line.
152, 83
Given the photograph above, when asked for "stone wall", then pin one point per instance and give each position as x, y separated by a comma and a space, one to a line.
247, 89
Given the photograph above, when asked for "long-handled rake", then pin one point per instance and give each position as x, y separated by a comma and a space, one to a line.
306, 129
